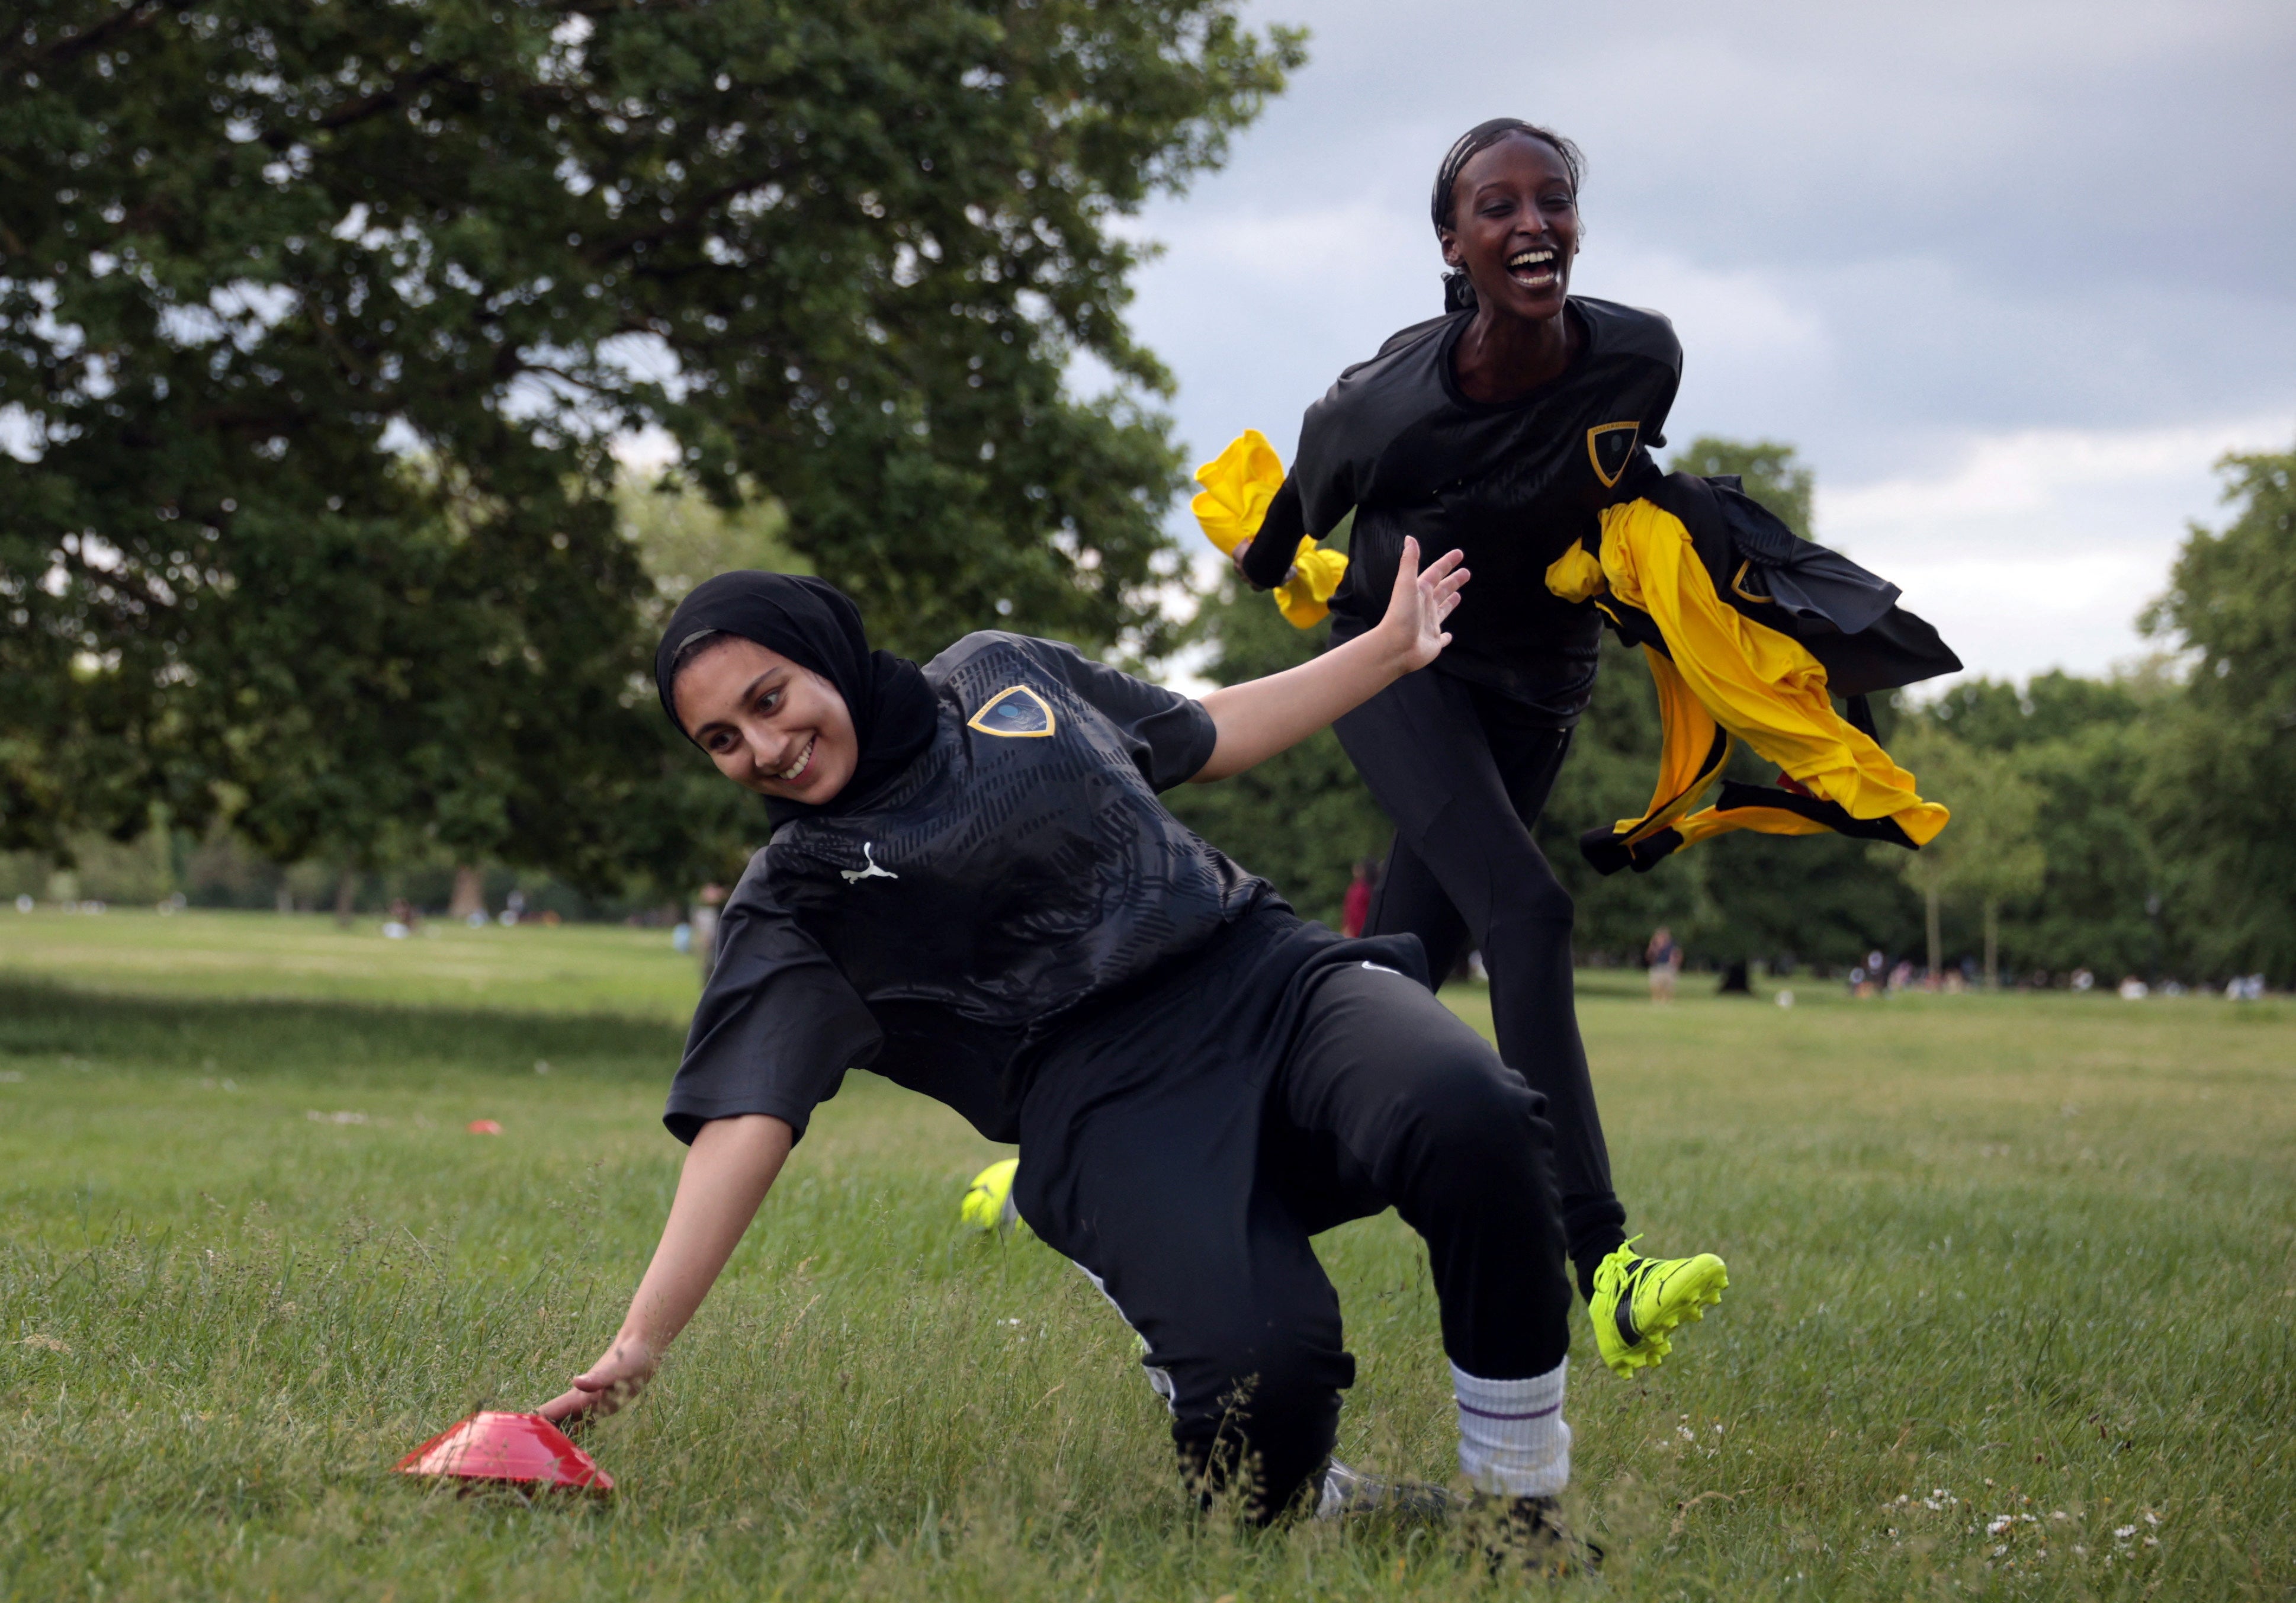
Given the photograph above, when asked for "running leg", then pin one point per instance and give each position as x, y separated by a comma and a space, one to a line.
1423, 748
1410, 900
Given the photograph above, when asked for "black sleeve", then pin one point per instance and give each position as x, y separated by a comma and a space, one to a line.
1172, 736
1326, 474
778, 1025
1655, 414
1657, 401
1268, 561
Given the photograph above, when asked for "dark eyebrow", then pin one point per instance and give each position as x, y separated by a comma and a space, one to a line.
748, 691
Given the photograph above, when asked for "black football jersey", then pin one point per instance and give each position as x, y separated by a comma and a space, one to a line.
1511, 484
1022, 868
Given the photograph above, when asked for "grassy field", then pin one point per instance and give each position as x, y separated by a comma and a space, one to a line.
2021, 1259
563, 969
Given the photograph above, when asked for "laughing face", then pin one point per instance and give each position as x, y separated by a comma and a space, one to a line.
769, 724
1514, 227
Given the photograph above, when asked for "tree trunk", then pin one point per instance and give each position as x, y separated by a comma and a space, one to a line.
1937, 941
1992, 944
346, 892
470, 894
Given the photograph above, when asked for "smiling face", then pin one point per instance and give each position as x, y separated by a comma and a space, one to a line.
769, 724
1514, 227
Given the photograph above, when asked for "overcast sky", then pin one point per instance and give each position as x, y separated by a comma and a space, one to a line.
2011, 276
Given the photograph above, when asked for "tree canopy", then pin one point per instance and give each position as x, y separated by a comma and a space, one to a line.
317, 323
1989, 852
2226, 766
1769, 472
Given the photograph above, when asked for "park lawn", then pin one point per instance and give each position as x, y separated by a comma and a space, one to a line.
2020, 1257
567, 968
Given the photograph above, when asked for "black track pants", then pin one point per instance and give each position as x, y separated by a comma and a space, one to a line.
1463, 774
1384, 1099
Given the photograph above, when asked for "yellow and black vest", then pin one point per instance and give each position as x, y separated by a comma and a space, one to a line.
1750, 632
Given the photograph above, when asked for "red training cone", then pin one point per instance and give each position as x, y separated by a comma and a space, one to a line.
483, 1127
496, 1446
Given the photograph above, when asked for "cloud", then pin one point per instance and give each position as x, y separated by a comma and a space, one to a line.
2039, 471
2037, 550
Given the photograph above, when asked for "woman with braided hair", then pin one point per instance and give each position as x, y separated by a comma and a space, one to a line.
1501, 430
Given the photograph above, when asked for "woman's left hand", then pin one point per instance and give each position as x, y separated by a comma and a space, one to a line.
1421, 602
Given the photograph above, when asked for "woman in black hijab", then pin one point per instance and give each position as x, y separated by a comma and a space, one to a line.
1500, 430
972, 890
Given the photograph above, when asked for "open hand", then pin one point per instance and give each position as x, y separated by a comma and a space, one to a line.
606, 1386
1420, 603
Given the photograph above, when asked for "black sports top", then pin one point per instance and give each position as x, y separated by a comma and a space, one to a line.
1020, 868
1512, 484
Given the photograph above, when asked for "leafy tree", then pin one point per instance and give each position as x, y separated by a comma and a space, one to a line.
1989, 851
316, 321
2000, 717
2098, 903
2219, 791
2086, 745
1767, 470
683, 538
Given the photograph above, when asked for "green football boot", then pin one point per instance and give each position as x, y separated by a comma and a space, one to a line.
987, 1203
1638, 1301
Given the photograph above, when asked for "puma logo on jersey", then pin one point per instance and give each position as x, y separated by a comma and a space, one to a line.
872, 871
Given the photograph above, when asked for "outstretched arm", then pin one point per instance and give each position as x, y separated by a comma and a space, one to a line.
728, 1171
1259, 718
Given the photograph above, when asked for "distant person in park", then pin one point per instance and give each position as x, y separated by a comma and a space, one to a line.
1499, 429
704, 926
973, 889
1664, 956
1355, 910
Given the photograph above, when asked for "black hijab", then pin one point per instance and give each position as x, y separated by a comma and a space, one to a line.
815, 625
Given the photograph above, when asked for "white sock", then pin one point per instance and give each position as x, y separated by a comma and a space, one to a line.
1511, 1437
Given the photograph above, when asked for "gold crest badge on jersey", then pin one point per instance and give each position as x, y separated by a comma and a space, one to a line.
1020, 713
1610, 447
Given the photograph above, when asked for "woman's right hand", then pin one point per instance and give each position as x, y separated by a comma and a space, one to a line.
606, 1386
727, 1173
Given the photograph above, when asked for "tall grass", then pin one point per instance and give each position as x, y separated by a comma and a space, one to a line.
2016, 1259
